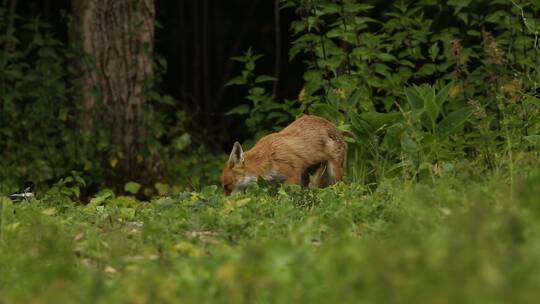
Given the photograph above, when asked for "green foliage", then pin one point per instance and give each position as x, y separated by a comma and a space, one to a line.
36, 110
40, 113
456, 239
132, 187
191, 171
263, 111
421, 85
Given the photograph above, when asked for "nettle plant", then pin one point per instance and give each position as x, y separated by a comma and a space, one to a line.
422, 82
262, 107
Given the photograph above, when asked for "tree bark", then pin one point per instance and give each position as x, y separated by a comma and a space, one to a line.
116, 40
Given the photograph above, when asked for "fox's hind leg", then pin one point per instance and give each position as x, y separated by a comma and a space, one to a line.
325, 175
331, 171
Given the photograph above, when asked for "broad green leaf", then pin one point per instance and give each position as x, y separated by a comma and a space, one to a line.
313, 81
182, 142
392, 136
13, 226
533, 100
463, 17
313, 76
357, 7
49, 211
428, 98
442, 95
264, 78
240, 110
162, 188
427, 69
382, 69
533, 139
408, 145
414, 99
407, 63
327, 111
474, 33
454, 121
335, 33
377, 120
100, 198
312, 21
256, 57
386, 57
360, 125
287, 4
127, 213
238, 80
132, 187
296, 49
434, 51
239, 58
297, 27
330, 8
417, 116
496, 17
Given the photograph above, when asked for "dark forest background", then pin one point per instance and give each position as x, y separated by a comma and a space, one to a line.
155, 92
197, 39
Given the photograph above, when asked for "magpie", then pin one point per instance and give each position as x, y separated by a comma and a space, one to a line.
25, 194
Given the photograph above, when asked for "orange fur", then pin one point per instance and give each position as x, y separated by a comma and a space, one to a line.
309, 145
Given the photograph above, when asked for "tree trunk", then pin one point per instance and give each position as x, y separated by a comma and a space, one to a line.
116, 40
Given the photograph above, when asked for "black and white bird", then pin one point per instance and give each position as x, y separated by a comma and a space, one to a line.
25, 194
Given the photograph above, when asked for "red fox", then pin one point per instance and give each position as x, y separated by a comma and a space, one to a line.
311, 145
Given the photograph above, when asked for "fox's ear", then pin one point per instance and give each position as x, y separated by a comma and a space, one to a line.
237, 155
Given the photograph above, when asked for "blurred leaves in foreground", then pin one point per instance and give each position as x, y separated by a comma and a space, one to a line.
453, 239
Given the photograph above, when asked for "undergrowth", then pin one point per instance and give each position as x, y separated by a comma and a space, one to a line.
466, 239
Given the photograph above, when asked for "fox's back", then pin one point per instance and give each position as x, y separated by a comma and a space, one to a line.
308, 140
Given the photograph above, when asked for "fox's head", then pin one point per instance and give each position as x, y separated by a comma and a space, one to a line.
234, 173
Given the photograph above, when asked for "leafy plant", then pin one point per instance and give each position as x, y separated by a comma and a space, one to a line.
376, 76
37, 110
263, 110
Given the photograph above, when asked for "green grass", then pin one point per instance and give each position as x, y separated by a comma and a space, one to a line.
453, 239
